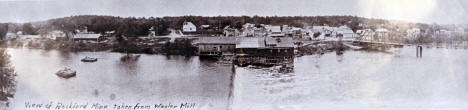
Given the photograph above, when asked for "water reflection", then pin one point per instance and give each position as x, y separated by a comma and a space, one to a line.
151, 79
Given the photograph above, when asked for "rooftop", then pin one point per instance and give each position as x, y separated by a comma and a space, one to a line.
264, 42
87, 36
216, 40
275, 29
29, 36
250, 42
279, 42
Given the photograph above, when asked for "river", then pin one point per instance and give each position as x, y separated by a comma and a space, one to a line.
356, 80
154, 79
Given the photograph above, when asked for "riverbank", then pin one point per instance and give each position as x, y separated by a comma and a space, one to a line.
184, 46
153, 78
157, 45
7, 79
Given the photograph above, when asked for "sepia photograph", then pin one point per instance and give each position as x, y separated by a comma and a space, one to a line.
233, 54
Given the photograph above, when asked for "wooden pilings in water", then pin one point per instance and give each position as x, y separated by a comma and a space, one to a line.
419, 50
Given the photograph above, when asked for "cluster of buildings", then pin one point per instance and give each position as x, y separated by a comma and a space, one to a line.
248, 50
259, 45
80, 35
53, 35
262, 30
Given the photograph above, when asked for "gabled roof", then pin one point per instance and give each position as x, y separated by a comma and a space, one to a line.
188, 24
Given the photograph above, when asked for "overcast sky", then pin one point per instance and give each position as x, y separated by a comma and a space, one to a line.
426, 11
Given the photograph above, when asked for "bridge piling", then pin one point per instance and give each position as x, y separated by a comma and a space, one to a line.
419, 50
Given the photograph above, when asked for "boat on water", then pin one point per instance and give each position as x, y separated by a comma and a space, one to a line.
88, 59
130, 57
66, 73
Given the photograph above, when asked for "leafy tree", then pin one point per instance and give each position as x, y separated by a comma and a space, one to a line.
28, 29
7, 74
317, 34
3, 31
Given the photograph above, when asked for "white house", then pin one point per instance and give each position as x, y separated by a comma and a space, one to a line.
346, 32
54, 35
248, 29
189, 27
10, 35
152, 32
230, 32
275, 31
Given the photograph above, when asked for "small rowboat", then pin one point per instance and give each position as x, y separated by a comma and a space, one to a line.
66, 73
89, 59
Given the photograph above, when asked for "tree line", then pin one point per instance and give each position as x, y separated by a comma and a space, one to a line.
133, 27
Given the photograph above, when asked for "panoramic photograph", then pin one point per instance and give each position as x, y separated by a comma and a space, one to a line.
233, 55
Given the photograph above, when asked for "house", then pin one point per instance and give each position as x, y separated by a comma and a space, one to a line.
55, 35
275, 31
10, 35
152, 32
230, 32
83, 30
189, 27
248, 30
295, 32
259, 31
264, 51
285, 28
345, 33
19, 33
87, 37
382, 34
215, 46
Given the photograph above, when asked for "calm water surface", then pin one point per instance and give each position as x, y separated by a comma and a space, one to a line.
153, 79
360, 80
357, 80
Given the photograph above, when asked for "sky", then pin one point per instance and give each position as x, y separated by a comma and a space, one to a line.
424, 11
